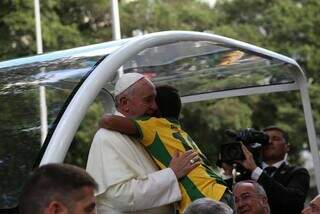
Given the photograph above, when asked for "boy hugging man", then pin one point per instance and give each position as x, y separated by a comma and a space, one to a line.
163, 137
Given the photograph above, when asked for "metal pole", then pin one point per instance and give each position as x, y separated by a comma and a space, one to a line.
310, 129
116, 31
43, 114
38, 26
42, 90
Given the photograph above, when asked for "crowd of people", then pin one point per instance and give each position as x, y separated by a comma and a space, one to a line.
142, 161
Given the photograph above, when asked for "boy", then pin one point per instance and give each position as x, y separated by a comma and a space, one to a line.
163, 137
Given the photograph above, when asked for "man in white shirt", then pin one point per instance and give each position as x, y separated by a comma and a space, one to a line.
129, 181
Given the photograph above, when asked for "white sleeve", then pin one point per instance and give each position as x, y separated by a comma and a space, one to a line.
157, 189
126, 184
256, 173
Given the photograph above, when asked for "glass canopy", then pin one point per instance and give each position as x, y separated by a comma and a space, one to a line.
60, 73
194, 67
202, 67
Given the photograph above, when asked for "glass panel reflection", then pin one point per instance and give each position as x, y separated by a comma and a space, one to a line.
20, 114
202, 67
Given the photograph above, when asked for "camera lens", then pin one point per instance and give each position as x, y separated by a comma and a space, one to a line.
231, 152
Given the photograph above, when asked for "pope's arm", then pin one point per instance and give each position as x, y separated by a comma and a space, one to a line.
121, 180
155, 190
128, 126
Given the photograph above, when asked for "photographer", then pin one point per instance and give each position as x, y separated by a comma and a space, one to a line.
286, 185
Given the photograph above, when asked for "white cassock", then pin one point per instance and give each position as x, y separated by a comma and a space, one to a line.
128, 179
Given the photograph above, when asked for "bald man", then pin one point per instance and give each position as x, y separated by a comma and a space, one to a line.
250, 198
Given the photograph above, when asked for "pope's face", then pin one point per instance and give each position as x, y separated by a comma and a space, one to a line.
142, 99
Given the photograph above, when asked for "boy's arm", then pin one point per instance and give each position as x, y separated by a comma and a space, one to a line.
120, 124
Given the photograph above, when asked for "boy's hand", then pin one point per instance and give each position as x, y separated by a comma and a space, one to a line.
182, 164
103, 120
119, 124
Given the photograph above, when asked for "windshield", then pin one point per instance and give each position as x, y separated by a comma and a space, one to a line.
20, 114
59, 73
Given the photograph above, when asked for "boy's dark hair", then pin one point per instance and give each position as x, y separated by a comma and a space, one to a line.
54, 182
168, 101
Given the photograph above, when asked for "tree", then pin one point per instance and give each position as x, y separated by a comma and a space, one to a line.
65, 24
277, 25
148, 16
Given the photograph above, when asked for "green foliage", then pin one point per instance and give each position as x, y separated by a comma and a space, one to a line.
152, 16
207, 122
229, 113
287, 26
65, 24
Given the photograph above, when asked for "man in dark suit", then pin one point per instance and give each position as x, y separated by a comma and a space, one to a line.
286, 185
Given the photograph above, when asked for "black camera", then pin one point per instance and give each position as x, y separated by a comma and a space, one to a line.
251, 138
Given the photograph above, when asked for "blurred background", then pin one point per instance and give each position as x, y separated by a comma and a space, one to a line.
289, 27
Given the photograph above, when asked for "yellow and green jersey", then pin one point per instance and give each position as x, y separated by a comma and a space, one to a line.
163, 137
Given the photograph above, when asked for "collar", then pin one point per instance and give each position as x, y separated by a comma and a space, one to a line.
118, 113
173, 120
277, 165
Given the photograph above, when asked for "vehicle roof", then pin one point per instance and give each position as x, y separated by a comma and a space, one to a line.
100, 49
111, 46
